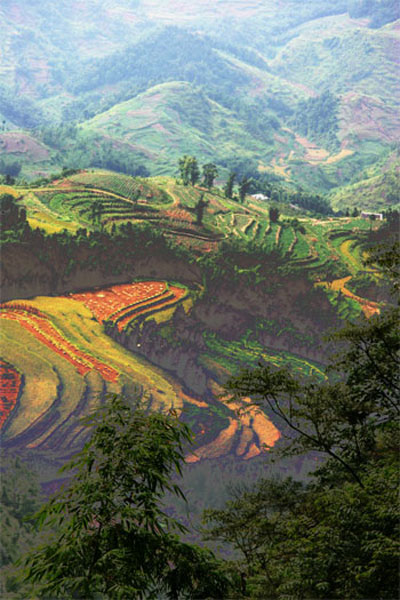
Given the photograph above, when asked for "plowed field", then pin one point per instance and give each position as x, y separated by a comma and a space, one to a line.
10, 382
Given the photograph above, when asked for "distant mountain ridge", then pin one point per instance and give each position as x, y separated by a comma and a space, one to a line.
259, 65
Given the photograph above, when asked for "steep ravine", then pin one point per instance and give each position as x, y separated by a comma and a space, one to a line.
298, 327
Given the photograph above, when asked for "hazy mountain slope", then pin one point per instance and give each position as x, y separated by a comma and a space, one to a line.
172, 119
264, 65
377, 189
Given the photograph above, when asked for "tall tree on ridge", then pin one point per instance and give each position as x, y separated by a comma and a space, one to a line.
199, 208
189, 169
244, 186
210, 172
228, 190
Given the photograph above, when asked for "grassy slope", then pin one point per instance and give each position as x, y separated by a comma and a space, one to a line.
173, 119
377, 189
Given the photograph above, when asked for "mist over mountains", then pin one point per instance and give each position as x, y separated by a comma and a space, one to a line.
304, 93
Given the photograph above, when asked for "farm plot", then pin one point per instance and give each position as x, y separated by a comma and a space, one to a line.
170, 299
233, 355
271, 234
63, 382
91, 206
348, 303
247, 431
287, 240
41, 327
122, 185
302, 249
10, 383
109, 302
122, 304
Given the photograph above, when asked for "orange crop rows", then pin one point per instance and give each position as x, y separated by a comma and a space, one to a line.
179, 214
45, 332
10, 382
108, 302
164, 302
125, 315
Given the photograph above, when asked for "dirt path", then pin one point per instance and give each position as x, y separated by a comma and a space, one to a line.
175, 198
368, 307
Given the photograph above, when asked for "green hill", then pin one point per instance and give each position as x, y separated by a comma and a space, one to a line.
173, 119
304, 92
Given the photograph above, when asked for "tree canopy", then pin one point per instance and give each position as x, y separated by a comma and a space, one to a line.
210, 172
112, 537
189, 169
336, 536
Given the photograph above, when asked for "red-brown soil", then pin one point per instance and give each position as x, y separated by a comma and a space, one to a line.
10, 383
43, 330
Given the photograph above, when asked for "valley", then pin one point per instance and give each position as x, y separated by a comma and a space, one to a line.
199, 359
175, 320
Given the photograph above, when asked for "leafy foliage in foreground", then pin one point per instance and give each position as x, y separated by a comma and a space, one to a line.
113, 538
337, 536
20, 497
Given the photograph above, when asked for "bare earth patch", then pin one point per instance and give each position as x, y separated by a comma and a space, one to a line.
19, 143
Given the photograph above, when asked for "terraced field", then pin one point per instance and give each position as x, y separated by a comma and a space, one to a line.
68, 364
10, 383
322, 249
122, 305
59, 360
99, 199
247, 352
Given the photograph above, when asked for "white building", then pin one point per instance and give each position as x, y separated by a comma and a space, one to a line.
368, 215
259, 197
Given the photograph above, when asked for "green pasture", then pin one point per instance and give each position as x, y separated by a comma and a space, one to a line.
247, 352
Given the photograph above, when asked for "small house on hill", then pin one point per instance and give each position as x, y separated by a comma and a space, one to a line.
371, 215
259, 197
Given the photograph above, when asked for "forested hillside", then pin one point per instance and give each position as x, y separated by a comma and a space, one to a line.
275, 86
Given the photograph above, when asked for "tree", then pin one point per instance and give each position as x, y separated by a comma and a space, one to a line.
244, 186
199, 208
12, 216
20, 497
96, 211
273, 214
189, 169
112, 538
183, 169
135, 197
337, 536
194, 170
228, 190
210, 172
